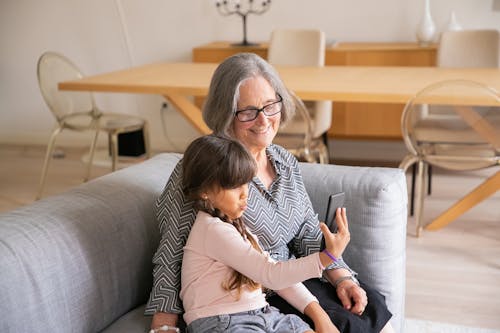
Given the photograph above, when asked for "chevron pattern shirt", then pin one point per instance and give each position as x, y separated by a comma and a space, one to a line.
281, 216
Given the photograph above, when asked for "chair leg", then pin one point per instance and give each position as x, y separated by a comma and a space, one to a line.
412, 191
429, 182
145, 133
46, 162
420, 196
91, 155
429, 179
319, 152
114, 150
408, 161
325, 138
325, 141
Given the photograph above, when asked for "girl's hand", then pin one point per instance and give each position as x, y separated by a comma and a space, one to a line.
336, 243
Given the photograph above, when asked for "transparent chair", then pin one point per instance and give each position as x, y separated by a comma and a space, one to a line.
295, 47
454, 125
77, 111
302, 145
459, 49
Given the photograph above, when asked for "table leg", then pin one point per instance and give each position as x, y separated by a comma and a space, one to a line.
190, 111
483, 191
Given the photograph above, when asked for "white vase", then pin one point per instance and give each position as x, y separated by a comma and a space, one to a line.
426, 28
453, 24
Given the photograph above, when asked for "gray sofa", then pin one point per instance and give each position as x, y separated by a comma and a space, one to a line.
81, 261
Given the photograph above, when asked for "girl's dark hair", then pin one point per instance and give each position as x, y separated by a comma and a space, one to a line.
224, 163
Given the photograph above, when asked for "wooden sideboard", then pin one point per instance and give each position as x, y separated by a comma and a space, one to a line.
350, 120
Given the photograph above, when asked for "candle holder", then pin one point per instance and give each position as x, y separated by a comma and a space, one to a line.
235, 7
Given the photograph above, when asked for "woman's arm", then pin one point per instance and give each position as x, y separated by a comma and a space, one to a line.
175, 217
352, 296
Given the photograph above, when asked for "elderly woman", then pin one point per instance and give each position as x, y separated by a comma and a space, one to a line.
248, 101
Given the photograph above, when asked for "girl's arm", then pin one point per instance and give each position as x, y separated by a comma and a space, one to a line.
322, 322
223, 243
301, 298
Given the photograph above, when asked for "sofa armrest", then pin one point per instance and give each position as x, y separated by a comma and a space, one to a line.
376, 203
78, 261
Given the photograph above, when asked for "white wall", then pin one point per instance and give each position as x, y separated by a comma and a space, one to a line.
105, 35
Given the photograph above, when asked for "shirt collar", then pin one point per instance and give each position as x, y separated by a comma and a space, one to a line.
276, 157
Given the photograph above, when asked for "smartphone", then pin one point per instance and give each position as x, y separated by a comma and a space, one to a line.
334, 201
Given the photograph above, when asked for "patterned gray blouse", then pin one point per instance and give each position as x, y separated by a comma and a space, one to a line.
282, 217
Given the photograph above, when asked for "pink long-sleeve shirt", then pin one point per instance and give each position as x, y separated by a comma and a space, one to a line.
215, 249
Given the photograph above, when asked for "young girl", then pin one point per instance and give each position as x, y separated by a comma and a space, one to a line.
224, 268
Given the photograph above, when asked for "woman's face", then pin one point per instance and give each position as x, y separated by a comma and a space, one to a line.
257, 134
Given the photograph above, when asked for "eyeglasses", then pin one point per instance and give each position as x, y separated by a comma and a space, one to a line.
252, 113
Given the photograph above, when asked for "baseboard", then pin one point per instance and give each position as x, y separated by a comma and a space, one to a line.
364, 152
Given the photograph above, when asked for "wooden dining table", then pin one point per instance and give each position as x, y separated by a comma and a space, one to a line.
178, 82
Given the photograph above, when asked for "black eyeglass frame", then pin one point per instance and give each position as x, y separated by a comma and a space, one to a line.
262, 109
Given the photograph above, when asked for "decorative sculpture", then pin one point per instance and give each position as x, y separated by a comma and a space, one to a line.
235, 7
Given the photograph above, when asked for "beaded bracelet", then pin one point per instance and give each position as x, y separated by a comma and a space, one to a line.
165, 328
325, 251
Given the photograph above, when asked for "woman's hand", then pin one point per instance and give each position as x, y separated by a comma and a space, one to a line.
337, 242
163, 318
352, 296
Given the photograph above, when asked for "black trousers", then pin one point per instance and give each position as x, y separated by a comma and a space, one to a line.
373, 319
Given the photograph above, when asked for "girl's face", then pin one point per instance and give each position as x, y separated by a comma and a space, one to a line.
231, 202
257, 134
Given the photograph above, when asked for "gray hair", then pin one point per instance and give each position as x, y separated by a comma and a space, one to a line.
223, 94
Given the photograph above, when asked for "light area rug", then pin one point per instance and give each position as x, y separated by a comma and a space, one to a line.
425, 326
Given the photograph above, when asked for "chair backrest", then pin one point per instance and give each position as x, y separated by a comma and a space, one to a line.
469, 48
297, 47
302, 47
469, 139
53, 68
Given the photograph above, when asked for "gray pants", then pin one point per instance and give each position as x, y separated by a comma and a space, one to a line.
265, 320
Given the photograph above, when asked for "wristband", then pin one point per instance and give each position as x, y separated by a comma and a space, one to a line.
347, 277
331, 256
165, 328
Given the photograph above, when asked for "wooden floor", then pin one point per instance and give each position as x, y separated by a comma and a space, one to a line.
453, 275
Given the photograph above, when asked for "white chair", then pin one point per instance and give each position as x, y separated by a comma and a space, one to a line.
463, 48
460, 133
306, 137
77, 111
469, 48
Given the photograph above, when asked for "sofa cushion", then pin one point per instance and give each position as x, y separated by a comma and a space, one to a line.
132, 322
